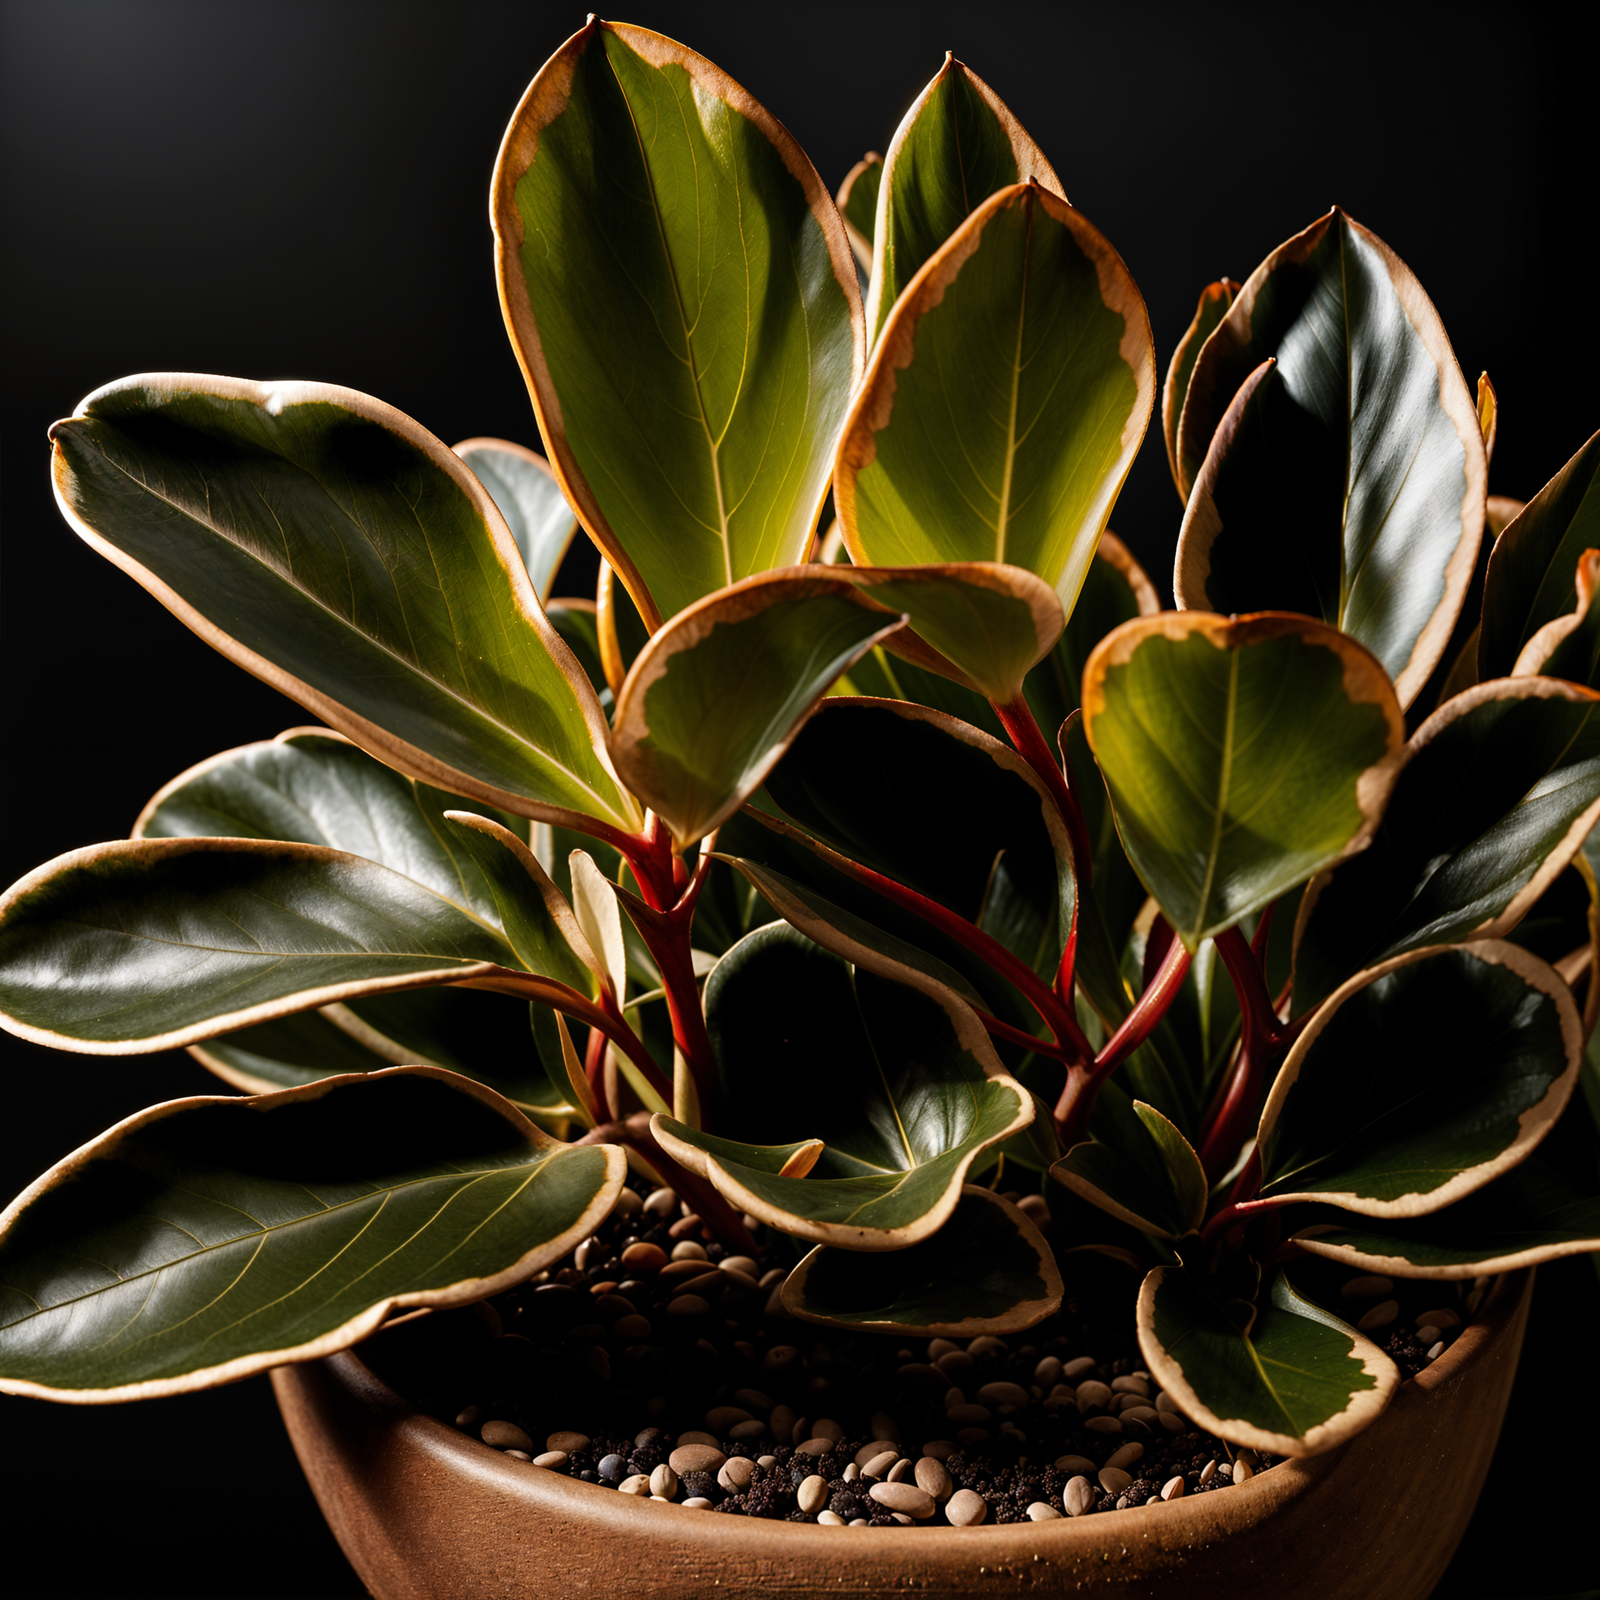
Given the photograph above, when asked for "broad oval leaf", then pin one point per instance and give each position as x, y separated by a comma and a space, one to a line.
1215, 300
904, 1091
339, 552
1346, 479
522, 485
1497, 791
720, 692
204, 1240
857, 200
684, 304
1569, 647
1242, 754
1526, 1216
148, 944
1530, 577
954, 148
1283, 1376
987, 1270
1005, 400
1150, 1178
1421, 1080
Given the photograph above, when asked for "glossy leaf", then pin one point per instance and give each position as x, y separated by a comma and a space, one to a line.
338, 551
522, 485
154, 943
1421, 1080
1283, 1375
1497, 791
955, 147
987, 1270
1343, 466
1005, 400
1530, 579
721, 691
1526, 1216
904, 1092
1215, 299
1241, 755
684, 304
579, 626
858, 206
622, 632
1569, 647
207, 1239
594, 904
1152, 1178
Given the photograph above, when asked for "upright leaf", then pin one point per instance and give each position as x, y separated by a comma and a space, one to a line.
328, 544
530, 499
207, 1239
1151, 1177
1569, 647
858, 206
1215, 299
1347, 478
956, 145
1497, 791
1005, 400
1531, 568
684, 304
1241, 754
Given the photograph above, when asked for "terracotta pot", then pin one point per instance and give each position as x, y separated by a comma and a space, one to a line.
426, 1513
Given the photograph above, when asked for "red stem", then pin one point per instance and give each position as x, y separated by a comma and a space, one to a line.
594, 1069
1016, 717
1004, 1030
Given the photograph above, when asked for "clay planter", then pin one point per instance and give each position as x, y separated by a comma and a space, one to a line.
424, 1511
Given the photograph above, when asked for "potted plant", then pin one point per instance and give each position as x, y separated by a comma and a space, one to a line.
1002, 963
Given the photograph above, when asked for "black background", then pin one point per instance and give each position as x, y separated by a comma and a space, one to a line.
297, 188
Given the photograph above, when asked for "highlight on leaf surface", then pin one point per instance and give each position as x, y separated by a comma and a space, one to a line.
207, 1239
903, 1090
1005, 401
1336, 455
719, 694
955, 147
987, 1270
682, 297
1495, 794
1241, 755
1422, 1080
522, 485
1282, 1375
283, 515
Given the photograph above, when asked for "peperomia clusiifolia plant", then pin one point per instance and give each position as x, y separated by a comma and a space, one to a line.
1166, 910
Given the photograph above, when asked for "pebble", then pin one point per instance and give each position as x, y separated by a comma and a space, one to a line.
697, 1503
567, 1440
1113, 1480
1074, 1464
689, 1250
987, 1345
969, 1416
1379, 1316
885, 1427
639, 1483
1208, 1472
1369, 1287
1104, 1424
684, 1228
812, 1494
1443, 1319
719, 1419
1003, 1394
735, 1473
1429, 1335
1125, 1456
517, 1455
1131, 1385
907, 1497
1078, 1366
931, 1475
1242, 1470
1042, 1511
696, 1458
827, 1428
745, 1264
966, 1509
1172, 1489
627, 1204
664, 1481
1436, 1350
1093, 1394
901, 1470
1048, 1371
643, 1257
814, 1447
870, 1452
940, 1449
1078, 1497
505, 1436
829, 1519
660, 1203
632, 1330
694, 1437
688, 1305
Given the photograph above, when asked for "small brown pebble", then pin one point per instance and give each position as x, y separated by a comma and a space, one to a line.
1042, 1511
688, 1305
1137, 1413
972, 1436
664, 1481
1125, 1456
812, 1494
695, 1458
505, 1436
814, 1447
829, 1519
766, 1463
469, 1417
827, 1428
870, 1452
753, 1400
1131, 1385
1048, 1371
694, 1436
878, 1466
1074, 1370
639, 1483
932, 1476
852, 1473
941, 1347
750, 1267
1367, 1287
1428, 1334
517, 1455
771, 1278
1174, 1421
1113, 1480
680, 1275
901, 1470
627, 1204
689, 1250
955, 1362
968, 1416
1003, 1394
1379, 1316
747, 1432
1208, 1472
554, 1459
735, 1474
685, 1227
1078, 1497
1242, 1470
1172, 1489
966, 1509
720, 1418
1074, 1464
1092, 1393
940, 1449
631, 1330
642, 1256
1444, 1319
1035, 1208
696, 1503
885, 1427
906, 1497
1436, 1350
660, 1203
1104, 1424
987, 1345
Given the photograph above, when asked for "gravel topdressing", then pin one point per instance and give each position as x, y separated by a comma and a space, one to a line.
658, 1364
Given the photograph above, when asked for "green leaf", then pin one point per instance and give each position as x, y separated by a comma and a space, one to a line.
1530, 578
579, 626
1569, 647
207, 1239
148, 944
721, 691
522, 485
956, 145
622, 632
904, 1092
1346, 479
857, 200
683, 300
1241, 755
1215, 299
1526, 1216
987, 1270
1282, 1376
1421, 1080
1150, 1178
1005, 400
338, 551
1497, 791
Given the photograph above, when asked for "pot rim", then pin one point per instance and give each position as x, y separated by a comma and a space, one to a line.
1186, 1517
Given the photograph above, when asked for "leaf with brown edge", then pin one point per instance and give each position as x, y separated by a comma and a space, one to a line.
857, 200
683, 301
1569, 647
1421, 1080
621, 632
955, 147
530, 499
1005, 399
1343, 469
720, 693
1280, 1374
337, 550
1488, 414
1149, 1177
1215, 299
207, 1239
986, 1271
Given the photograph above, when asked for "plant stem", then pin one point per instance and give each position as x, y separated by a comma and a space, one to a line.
1016, 717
